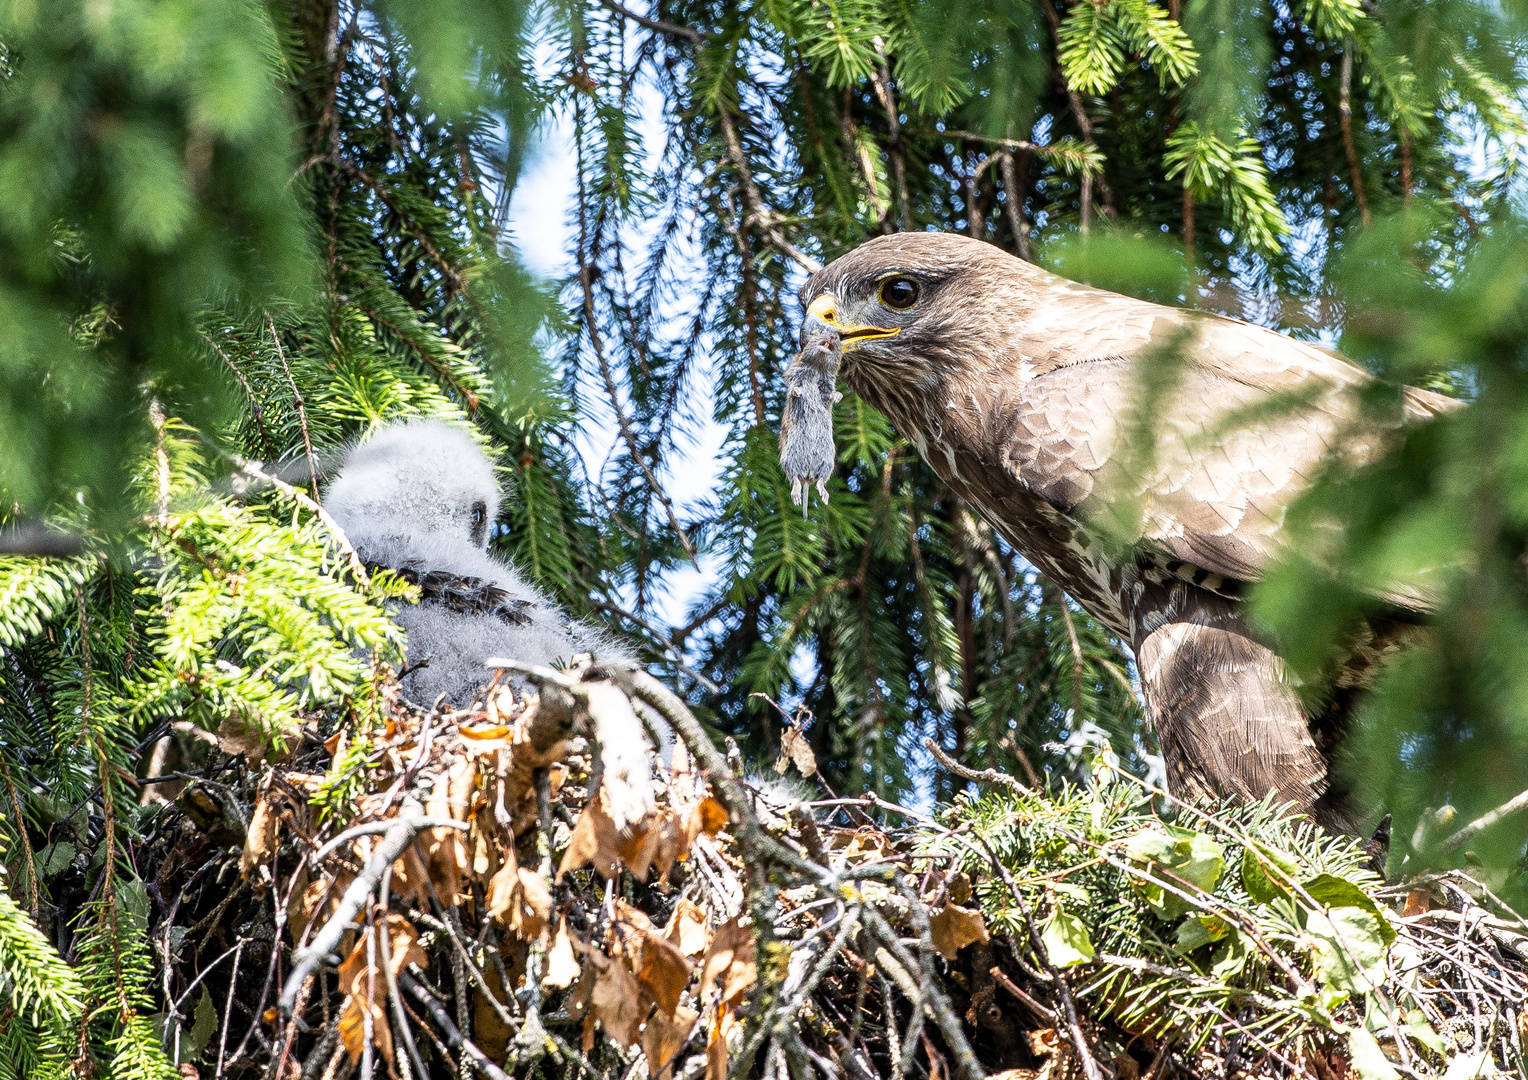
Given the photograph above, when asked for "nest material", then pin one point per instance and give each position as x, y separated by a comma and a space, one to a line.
408, 876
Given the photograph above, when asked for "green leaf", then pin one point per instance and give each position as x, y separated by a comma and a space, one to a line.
1230, 957
1072, 891
1189, 856
1066, 940
1369, 1062
1469, 1065
1260, 885
1348, 950
204, 1023
52, 859
1418, 1028
1197, 931
1336, 892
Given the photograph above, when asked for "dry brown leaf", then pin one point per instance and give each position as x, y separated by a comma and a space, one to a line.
296, 921
236, 735
632, 917
671, 843
722, 1028
446, 854
664, 1037
561, 965
481, 740
583, 993
489, 1030
1418, 902
594, 839
483, 732
960, 887
687, 928
501, 704
664, 972
305, 907
260, 837
627, 779
708, 817
535, 745
653, 845
794, 747
681, 777
955, 927
519, 899
616, 1003
483, 837
403, 949
730, 959
639, 846
364, 982
626, 933
353, 1028
1043, 1042
410, 878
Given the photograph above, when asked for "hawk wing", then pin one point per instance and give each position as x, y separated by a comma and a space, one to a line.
464, 595
1204, 452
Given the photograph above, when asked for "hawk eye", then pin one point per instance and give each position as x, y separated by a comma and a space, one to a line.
900, 293
479, 520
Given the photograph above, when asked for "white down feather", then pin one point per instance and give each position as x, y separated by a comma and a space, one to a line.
421, 495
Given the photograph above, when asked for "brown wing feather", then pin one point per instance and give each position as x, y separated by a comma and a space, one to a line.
1228, 723
1241, 429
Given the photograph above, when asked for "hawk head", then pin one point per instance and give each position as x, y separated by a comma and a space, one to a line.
912, 307
424, 481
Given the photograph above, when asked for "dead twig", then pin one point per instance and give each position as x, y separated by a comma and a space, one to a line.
394, 842
986, 776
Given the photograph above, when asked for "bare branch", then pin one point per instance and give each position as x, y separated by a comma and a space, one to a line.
1485, 821
658, 25
986, 776
756, 212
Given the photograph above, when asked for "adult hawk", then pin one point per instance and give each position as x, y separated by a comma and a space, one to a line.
1024, 391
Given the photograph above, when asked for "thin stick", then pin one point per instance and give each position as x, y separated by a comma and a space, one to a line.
658, 25
372, 828
402, 833
454, 1037
1044, 1012
934, 999
392, 983
302, 412
986, 776
337, 534
1484, 822
233, 981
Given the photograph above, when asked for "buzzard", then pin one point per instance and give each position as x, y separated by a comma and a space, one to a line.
420, 498
1024, 391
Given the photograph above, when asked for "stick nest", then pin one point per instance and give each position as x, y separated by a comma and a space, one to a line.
452, 892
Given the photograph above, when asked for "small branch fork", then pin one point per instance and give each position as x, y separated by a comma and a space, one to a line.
756, 212
399, 834
774, 865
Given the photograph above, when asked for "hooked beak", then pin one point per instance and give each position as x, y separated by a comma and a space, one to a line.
824, 314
